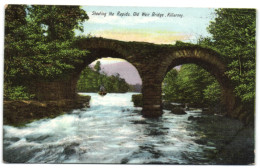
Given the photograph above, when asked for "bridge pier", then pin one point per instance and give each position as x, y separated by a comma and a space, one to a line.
152, 98
54, 90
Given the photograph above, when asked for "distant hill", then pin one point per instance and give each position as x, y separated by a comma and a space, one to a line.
137, 88
124, 69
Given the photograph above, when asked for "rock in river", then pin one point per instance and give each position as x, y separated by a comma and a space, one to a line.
178, 111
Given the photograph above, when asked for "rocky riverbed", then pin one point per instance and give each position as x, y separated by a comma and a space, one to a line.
235, 141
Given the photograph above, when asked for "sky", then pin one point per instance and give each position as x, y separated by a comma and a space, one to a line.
147, 24
161, 26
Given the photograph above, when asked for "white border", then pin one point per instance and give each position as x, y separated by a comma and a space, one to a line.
151, 3
146, 3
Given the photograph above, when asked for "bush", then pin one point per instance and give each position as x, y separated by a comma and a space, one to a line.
137, 99
17, 93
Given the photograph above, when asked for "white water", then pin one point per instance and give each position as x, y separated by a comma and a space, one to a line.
110, 131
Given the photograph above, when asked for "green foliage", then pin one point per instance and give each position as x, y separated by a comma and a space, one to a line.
137, 99
192, 85
17, 93
170, 86
233, 34
39, 43
97, 66
59, 21
212, 94
91, 80
30, 52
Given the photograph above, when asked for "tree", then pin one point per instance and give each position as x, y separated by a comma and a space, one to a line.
90, 81
212, 94
15, 22
59, 21
191, 85
170, 85
233, 35
97, 66
14, 17
39, 43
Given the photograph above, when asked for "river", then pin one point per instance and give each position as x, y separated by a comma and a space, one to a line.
112, 130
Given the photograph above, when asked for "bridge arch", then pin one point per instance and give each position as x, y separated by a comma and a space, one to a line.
152, 62
100, 48
208, 60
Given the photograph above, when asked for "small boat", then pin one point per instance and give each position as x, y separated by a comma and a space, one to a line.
102, 93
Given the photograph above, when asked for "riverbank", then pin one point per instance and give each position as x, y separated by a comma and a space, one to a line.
21, 112
234, 141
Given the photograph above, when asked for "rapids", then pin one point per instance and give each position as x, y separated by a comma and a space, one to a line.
112, 130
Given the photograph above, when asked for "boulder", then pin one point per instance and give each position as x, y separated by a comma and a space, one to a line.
191, 118
187, 106
201, 141
167, 105
216, 109
179, 111
137, 99
69, 151
207, 111
198, 119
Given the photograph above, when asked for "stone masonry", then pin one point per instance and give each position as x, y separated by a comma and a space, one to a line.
152, 62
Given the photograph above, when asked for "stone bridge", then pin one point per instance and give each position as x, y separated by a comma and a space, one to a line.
152, 62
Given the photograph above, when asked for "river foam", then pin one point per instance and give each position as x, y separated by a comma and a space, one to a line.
110, 131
